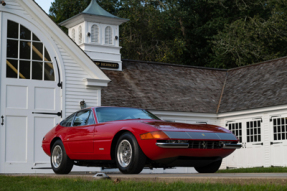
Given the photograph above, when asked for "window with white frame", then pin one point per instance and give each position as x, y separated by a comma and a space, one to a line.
108, 35
95, 34
73, 35
27, 56
253, 131
236, 129
80, 35
279, 128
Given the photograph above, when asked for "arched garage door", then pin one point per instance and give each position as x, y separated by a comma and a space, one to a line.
30, 96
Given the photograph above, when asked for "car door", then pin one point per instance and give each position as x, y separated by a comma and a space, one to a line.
80, 135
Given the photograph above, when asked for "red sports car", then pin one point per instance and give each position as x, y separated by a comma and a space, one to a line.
131, 139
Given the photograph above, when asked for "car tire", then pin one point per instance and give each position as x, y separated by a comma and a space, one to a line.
211, 168
60, 162
130, 159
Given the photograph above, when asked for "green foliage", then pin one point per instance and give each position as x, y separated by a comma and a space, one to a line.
10, 183
213, 33
255, 170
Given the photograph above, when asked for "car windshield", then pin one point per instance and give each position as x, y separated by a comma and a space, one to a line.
105, 114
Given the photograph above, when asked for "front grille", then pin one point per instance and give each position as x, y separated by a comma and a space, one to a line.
205, 144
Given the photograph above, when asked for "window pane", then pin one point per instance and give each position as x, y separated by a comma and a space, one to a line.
12, 68
82, 118
35, 38
25, 33
49, 72
24, 70
25, 50
13, 29
37, 70
12, 48
47, 56
68, 121
37, 51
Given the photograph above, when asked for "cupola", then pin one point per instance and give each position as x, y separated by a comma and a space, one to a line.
96, 31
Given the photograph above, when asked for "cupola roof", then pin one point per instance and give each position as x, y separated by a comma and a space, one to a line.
95, 9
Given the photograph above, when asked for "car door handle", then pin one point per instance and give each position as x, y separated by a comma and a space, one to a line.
273, 143
258, 144
44, 113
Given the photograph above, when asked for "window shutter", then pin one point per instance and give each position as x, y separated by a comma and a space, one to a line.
95, 33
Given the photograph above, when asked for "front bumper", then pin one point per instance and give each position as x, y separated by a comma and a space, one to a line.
186, 145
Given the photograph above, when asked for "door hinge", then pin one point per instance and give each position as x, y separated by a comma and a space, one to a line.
258, 144
44, 113
2, 117
60, 84
274, 143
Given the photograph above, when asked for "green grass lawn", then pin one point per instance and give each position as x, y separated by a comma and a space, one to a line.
69, 184
255, 170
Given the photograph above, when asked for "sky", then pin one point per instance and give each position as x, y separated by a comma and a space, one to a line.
45, 4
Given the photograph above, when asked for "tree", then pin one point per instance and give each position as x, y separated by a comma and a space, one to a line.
252, 37
214, 33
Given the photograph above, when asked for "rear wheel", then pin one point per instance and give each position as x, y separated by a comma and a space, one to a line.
60, 162
129, 157
211, 168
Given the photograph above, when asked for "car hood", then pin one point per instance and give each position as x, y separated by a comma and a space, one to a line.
183, 127
193, 131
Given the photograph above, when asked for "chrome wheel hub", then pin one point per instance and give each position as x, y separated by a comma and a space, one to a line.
57, 156
124, 153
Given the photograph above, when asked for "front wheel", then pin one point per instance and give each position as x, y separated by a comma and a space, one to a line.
60, 162
129, 157
211, 168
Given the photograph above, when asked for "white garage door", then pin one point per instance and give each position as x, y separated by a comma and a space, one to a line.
30, 96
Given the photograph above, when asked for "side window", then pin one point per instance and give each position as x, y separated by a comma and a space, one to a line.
236, 129
253, 131
82, 118
68, 121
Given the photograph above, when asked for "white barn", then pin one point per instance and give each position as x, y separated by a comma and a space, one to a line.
45, 74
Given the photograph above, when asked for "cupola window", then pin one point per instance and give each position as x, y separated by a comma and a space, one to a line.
27, 56
80, 35
108, 35
73, 34
95, 34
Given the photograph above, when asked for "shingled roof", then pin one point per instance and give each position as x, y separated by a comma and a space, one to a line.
167, 87
255, 86
164, 87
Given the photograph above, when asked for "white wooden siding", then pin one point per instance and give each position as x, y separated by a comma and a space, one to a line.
75, 88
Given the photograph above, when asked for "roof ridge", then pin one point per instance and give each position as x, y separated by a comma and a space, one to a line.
258, 63
176, 65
